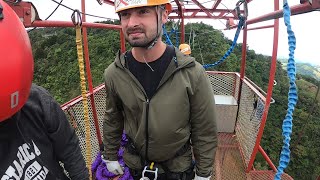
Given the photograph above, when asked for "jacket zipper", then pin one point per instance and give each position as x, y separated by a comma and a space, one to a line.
147, 131
146, 159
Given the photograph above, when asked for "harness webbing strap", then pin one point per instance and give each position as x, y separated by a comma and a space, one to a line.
132, 150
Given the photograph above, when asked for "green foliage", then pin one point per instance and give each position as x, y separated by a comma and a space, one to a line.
56, 69
56, 61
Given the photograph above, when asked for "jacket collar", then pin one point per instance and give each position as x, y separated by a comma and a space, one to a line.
182, 61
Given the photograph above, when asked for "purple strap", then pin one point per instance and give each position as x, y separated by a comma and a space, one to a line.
99, 168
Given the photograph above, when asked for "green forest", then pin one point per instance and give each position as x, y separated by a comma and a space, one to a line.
56, 69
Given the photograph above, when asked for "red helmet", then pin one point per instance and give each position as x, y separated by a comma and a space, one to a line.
16, 63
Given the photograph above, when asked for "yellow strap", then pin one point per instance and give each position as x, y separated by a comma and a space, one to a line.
84, 98
151, 165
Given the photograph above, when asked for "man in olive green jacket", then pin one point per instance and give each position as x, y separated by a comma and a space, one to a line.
159, 122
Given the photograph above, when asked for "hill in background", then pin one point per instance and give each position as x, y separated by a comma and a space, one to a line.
306, 69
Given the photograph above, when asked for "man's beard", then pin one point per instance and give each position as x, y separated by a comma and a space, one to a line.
144, 41
138, 42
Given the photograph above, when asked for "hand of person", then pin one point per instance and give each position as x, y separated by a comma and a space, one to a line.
113, 166
201, 178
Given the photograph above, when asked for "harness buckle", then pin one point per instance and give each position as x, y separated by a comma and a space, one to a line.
147, 170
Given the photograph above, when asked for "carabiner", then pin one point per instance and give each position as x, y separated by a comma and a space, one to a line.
76, 18
145, 170
245, 9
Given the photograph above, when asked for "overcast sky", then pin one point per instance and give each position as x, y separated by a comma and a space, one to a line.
306, 26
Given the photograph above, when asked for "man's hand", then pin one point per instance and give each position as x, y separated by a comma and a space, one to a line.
113, 166
201, 178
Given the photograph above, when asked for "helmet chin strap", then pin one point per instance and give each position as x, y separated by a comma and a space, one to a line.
155, 40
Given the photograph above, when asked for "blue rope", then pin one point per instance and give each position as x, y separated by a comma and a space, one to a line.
175, 31
240, 25
292, 95
164, 30
167, 36
177, 37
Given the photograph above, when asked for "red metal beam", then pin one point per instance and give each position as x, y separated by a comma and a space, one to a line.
195, 13
266, 157
201, 17
88, 72
244, 55
122, 42
179, 10
86, 47
270, 88
220, 15
76, 100
25, 10
216, 4
182, 35
180, 16
109, 2
296, 9
204, 9
70, 24
315, 4
261, 27
208, 10
255, 88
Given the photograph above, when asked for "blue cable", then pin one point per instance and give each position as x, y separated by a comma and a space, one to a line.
173, 30
240, 25
177, 38
292, 95
164, 30
167, 36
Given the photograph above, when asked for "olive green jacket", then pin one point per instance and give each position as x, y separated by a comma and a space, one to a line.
182, 108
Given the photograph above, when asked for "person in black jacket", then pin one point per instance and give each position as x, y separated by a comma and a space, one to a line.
35, 135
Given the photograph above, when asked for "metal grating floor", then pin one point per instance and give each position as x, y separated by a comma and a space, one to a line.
229, 165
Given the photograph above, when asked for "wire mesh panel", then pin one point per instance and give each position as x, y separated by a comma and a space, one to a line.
223, 83
76, 118
100, 102
249, 118
237, 87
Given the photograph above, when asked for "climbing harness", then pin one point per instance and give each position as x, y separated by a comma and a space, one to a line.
292, 95
150, 166
241, 24
76, 19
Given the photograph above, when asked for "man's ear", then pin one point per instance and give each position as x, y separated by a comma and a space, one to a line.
165, 16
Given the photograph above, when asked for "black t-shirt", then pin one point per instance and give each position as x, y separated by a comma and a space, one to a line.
150, 79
